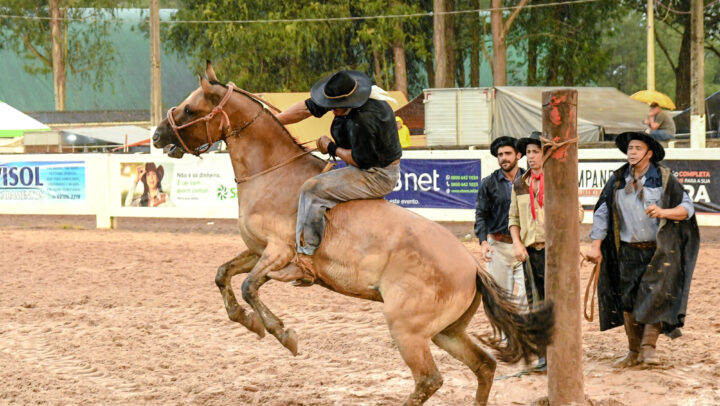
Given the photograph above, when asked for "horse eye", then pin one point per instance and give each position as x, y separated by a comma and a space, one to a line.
188, 111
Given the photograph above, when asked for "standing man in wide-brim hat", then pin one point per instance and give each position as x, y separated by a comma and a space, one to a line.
645, 233
491, 219
364, 135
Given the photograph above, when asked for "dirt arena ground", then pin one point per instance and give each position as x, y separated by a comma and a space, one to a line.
132, 316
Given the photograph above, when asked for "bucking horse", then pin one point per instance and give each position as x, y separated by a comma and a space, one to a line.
429, 283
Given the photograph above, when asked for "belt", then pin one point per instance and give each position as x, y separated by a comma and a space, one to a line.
537, 246
644, 245
501, 237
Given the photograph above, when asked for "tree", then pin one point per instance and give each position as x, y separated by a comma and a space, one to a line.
443, 38
564, 42
60, 43
291, 56
500, 29
674, 15
262, 57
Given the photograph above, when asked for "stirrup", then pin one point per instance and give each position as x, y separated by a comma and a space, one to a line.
306, 265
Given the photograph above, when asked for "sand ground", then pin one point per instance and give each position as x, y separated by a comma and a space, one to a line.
132, 316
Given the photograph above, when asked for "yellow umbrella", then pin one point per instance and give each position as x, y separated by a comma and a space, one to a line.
653, 96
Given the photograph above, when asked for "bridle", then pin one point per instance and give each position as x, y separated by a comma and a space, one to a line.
217, 109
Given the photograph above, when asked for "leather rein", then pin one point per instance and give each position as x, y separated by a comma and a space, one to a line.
225, 119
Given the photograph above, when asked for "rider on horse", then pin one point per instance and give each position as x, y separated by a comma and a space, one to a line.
364, 135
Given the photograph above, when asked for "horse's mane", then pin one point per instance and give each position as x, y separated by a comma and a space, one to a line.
258, 102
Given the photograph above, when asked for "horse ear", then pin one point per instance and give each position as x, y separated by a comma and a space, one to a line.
209, 72
206, 86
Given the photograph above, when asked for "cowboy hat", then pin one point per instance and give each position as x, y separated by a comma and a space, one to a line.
342, 90
503, 141
534, 138
150, 167
623, 140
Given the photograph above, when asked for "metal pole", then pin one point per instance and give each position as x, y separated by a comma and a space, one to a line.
650, 46
697, 80
155, 70
562, 248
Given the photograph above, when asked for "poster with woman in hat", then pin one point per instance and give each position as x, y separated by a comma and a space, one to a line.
152, 195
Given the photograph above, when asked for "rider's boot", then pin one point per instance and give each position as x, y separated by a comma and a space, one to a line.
305, 263
634, 333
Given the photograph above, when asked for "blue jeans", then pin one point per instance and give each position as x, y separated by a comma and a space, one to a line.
325, 191
661, 135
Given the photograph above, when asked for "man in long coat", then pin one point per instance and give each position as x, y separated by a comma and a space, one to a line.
645, 234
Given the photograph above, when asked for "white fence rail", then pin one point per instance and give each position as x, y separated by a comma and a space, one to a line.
99, 184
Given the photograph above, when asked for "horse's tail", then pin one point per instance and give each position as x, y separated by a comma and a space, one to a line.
527, 332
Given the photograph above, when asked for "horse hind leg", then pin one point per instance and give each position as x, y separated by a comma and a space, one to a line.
415, 351
242, 263
457, 343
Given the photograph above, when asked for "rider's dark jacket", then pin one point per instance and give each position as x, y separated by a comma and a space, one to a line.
370, 131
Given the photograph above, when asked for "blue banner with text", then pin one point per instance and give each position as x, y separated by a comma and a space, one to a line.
437, 183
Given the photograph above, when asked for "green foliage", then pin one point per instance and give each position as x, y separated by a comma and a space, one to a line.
567, 40
88, 53
266, 56
291, 56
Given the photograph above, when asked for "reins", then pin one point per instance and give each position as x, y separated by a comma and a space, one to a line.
329, 165
592, 284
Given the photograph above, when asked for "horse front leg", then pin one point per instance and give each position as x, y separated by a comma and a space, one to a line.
274, 258
242, 263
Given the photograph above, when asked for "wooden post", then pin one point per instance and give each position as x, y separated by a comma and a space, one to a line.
697, 75
650, 45
562, 248
156, 113
155, 69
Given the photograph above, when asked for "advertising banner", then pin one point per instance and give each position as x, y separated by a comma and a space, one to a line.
43, 181
437, 183
592, 177
701, 180
177, 184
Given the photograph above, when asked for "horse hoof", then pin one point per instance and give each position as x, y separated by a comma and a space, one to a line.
255, 325
290, 341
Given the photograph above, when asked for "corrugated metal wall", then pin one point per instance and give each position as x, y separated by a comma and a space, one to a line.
458, 116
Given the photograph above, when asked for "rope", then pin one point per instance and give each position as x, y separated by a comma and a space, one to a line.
550, 146
592, 284
272, 168
329, 165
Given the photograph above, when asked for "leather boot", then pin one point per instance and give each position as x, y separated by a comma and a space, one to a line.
305, 263
649, 340
634, 332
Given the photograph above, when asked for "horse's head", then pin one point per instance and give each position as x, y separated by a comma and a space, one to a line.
199, 121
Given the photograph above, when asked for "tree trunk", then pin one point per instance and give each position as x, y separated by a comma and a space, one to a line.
450, 38
386, 71
682, 73
58, 62
497, 27
475, 47
400, 68
442, 41
430, 69
460, 76
532, 61
378, 70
